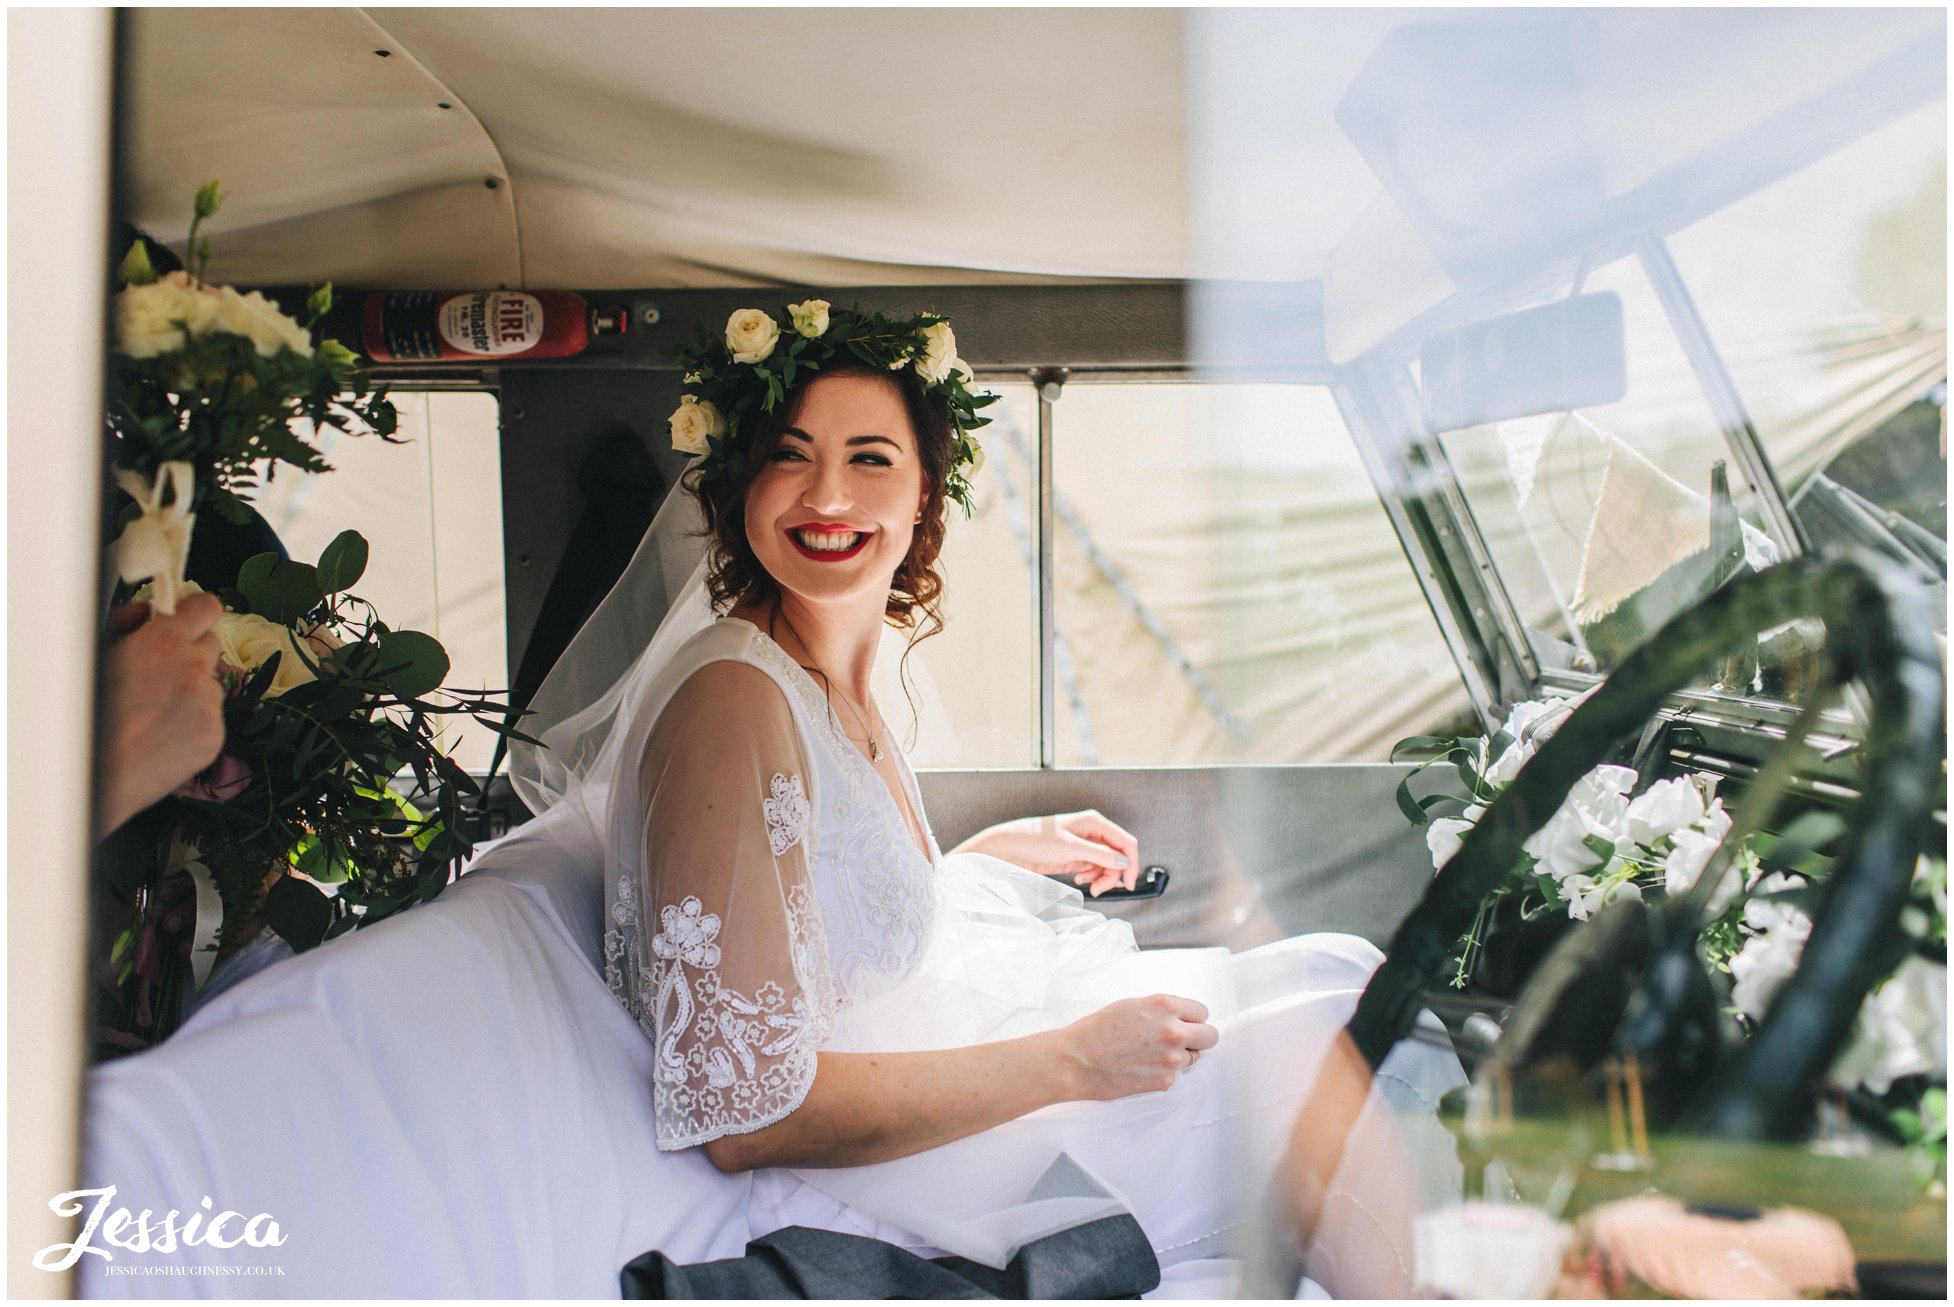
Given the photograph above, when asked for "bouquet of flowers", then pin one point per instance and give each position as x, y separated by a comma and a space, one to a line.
295, 827
1608, 842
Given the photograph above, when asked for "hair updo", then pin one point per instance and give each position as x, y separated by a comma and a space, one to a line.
735, 576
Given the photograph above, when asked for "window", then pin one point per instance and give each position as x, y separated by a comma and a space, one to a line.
975, 684
1606, 522
1843, 366
431, 510
1227, 589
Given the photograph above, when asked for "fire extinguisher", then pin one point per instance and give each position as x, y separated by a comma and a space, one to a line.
472, 325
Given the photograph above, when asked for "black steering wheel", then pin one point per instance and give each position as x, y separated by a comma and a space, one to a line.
1878, 623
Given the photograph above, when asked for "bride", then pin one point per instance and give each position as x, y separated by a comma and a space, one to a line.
952, 1052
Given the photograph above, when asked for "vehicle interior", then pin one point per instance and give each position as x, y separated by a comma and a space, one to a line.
1361, 375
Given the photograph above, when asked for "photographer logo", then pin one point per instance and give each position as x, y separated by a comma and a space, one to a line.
106, 1225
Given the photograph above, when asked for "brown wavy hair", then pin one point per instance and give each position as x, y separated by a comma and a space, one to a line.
735, 575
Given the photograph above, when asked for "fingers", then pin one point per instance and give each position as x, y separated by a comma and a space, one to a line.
198, 614
124, 618
1094, 828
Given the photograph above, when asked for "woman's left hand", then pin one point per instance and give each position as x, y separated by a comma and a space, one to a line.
1097, 853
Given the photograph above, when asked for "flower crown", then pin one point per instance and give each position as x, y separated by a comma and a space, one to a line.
756, 365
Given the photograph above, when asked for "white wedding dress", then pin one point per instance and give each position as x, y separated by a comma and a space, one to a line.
768, 899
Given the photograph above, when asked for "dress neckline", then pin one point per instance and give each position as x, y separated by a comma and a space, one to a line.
910, 788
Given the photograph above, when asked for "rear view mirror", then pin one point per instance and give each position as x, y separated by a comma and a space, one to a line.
1556, 358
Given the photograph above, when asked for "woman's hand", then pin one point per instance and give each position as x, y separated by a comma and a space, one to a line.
1137, 1045
1095, 852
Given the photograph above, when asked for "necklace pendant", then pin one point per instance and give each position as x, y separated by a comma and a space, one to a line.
874, 751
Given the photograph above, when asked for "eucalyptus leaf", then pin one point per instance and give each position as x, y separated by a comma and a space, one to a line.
343, 562
412, 663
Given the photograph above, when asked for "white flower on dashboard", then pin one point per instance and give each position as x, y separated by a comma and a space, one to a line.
1901, 1030
810, 317
1663, 809
751, 335
695, 424
1770, 956
1593, 815
1444, 836
939, 352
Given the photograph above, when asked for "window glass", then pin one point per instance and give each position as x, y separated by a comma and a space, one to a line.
1843, 365
431, 511
1607, 521
974, 686
1228, 588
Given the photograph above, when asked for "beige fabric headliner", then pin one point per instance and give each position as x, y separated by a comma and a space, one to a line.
666, 147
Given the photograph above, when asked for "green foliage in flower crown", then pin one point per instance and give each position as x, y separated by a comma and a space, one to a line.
216, 402
734, 393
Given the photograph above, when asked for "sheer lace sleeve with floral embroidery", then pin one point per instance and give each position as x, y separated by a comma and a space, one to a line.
716, 949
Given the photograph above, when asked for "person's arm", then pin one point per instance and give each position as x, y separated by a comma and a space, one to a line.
871, 1107
1093, 850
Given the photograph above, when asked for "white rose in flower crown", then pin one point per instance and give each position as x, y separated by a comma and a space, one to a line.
939, 352
751, 335
810, 317
696, 424
976, 458
1664, 808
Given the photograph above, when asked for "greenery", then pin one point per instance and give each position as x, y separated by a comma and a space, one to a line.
220, 404
326, 704
739, 392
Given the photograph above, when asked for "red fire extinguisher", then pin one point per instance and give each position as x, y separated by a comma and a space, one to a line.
472, 325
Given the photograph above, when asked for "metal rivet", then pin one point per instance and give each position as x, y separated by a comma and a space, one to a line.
651, 315
515, 411
522, 560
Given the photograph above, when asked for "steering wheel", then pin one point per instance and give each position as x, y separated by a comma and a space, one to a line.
1878, 624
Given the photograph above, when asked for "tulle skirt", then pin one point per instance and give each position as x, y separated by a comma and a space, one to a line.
1014, 953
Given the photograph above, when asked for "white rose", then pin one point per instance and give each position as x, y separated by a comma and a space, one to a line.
1689, 852
1509, 762
151, 319
751, 335
939, 351
810, 317
258, 319
1901, 1030
1586, 895
1666, 807
1769, 957
1594, 809
1443, 837
965, 373
1716, 822
976, 458
247, 641
695, 424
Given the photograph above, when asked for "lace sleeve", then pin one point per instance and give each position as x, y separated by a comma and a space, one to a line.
734, 987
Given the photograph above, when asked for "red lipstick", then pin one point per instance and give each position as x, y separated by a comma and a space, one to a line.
828, 528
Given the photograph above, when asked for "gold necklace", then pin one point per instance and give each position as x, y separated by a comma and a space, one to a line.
874, 744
